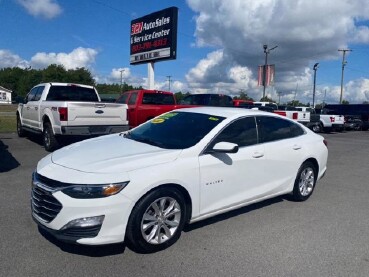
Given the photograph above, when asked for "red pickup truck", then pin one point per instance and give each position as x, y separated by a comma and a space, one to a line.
144, 105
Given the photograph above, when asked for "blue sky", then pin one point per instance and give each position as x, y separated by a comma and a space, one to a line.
219, 43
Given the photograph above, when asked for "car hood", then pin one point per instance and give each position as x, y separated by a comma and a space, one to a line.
111, 154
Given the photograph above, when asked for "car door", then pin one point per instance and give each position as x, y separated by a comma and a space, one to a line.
26, 110
283, 142
228, 179
34, 106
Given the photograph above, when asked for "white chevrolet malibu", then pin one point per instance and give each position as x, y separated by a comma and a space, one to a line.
144, 185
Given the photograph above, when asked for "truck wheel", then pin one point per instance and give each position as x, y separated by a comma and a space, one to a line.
317, 128
49, 140
21, 132
157, 220
305, 182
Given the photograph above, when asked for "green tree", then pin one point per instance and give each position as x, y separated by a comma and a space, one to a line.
267, 99
345, 102
243, 96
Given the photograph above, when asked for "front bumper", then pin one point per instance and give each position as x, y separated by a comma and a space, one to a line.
115, 209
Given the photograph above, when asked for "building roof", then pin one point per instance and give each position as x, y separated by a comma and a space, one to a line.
5, 89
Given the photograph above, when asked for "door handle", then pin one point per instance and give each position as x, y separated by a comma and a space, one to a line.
257, 155
296, 147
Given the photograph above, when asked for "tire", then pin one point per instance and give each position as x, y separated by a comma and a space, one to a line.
149, 229
317, 128
305, 182
21, 132
49, 141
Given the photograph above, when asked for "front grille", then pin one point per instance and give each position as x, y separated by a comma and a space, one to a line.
44, 204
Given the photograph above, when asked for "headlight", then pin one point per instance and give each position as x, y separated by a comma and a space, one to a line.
93, 191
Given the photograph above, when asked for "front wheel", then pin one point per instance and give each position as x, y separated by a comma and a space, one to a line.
157, 220
305, 182
20, 130
48, 137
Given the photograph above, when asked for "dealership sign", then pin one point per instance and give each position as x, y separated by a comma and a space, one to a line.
154, 37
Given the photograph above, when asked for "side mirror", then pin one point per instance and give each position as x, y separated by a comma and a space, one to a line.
224, 147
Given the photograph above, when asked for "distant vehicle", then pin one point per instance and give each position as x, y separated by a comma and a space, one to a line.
60, 109
208, 99
329, 120
181, 167
144, 105
240, 102
266, 104
352, 123
360, 111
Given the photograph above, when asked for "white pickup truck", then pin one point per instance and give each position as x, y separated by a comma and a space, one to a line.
327, 122
60, 109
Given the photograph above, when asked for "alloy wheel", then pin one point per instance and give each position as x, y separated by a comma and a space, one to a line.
161, 220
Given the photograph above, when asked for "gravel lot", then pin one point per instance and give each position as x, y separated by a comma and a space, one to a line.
328, 235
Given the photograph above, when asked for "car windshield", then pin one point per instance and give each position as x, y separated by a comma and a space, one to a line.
175, 130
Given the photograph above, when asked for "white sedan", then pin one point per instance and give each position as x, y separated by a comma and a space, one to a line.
144, 185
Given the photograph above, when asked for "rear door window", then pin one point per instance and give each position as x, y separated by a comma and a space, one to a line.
273, 128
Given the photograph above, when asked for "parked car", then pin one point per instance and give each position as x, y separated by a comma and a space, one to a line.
144, 105
352, 123
56, 110
207, 99
144, 185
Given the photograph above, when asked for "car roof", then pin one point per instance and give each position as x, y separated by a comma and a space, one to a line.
227, 112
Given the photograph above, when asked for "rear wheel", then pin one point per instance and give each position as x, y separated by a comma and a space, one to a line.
157, 220
49, 140
21, 132
305, 182
317, 128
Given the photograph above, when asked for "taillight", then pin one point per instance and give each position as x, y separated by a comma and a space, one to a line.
332, 118
63, 113
325, 142
294, 116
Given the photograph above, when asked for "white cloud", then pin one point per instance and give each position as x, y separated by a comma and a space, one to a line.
79, 57
120, 74
41, 8
8, 59
305, 32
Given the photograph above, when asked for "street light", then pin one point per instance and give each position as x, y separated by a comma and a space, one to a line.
266, 51
315, 68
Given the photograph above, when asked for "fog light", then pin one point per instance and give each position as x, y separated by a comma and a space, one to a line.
85, 222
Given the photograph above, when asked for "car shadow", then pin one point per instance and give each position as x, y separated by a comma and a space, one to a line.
85, 250
234, 213
7, 161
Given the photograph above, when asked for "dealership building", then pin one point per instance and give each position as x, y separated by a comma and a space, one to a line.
5, 96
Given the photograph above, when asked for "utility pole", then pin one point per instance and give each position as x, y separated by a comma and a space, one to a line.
266, 51
343, 68
315, 68
121, 79
169, 76
279, 97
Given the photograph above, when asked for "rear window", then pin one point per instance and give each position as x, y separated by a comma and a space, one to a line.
158, 99
72, 93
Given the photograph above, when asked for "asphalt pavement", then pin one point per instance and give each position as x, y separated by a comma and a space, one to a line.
328, 235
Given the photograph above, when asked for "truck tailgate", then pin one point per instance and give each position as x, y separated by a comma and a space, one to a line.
89, 113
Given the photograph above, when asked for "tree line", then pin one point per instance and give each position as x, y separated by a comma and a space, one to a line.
20, 81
